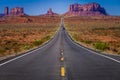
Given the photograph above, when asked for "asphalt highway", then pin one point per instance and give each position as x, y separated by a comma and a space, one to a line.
61, 59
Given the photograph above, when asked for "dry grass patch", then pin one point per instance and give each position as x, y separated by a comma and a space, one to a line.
19, 37
102, 33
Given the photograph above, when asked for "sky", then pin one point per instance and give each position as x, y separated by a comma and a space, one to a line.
37, 7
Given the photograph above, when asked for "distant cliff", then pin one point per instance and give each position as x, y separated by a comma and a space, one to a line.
90, 9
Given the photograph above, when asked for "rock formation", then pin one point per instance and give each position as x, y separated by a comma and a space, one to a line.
50, 13
91, 9
6, 11
17, 11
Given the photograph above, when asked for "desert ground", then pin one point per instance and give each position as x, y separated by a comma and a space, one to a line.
18, 34
99, 33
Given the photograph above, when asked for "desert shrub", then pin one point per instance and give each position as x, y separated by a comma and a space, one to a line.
47, 38
16, 47
104, 29
119, 52
38, 42
88, 41
32, 32
2, 50
101, 28
27, 46
101, 46
75, 36
114, 28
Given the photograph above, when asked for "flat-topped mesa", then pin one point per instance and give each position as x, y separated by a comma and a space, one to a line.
17, 11
90, 9
50, 13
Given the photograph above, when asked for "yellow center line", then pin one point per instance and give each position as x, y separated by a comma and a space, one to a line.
63, 71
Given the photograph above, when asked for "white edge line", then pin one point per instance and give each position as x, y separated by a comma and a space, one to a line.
45, 45
27, 53
17, 57
110, 58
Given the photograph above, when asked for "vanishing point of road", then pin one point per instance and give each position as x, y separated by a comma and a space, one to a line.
61, 59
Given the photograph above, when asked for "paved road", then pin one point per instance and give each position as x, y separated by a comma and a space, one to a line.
61, 59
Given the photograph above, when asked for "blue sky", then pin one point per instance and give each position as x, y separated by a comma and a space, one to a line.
37, 7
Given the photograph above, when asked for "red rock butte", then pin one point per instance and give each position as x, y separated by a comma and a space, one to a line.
17, 11
90, 9
50, 13
6, 11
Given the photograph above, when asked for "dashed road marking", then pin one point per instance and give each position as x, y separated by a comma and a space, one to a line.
62, 53
62, 59
62, 71
61, 50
